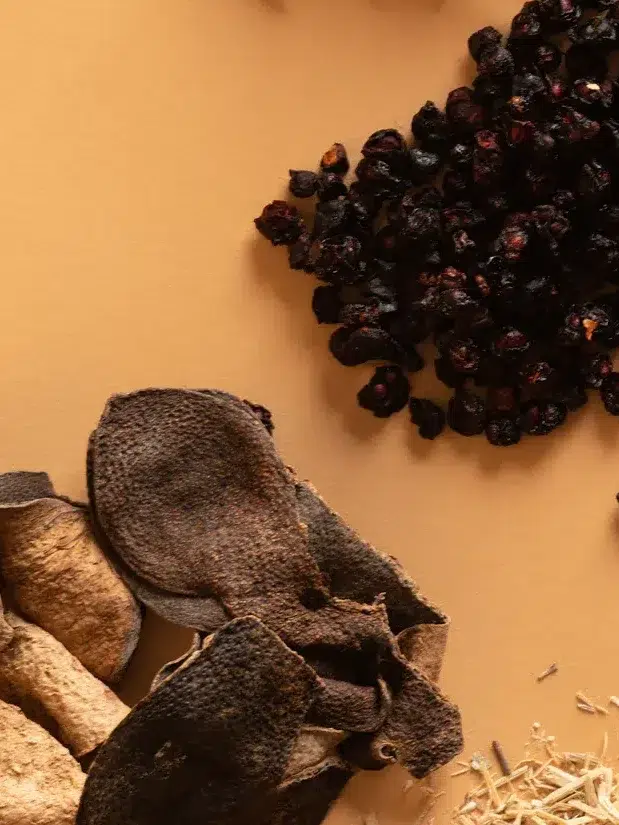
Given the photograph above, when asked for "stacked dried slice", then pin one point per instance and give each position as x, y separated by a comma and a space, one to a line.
206, 525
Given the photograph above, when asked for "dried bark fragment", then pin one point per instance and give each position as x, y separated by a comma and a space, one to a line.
6, 631
211, 744
36, 668
40, 782
60, 578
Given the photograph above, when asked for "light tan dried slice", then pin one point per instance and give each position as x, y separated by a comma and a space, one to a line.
6, 631
40, 782
35, 667
211, 744
60, 578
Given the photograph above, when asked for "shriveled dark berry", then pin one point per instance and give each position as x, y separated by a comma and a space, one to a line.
503, 431
383, 145
424, 166
466, 413
558, 15
427, 416
298, 253
609, 393
358, 345
429, 126
542, 417
463, 355
486, 38
538, 377
327, 304
335, 160
511, 343
496, 62
280, 223
331, 186
303, 184
337, 259
386, 392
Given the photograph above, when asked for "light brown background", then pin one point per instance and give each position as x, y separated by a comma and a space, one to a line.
138, 139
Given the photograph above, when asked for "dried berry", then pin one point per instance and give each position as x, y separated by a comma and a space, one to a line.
327, 304
424, 166
335, 160
609, 393
427, 416
303, 184
480, 41
466, 413
280, 223
429, 126
542, 417
386, 392
503, 431
357, 345
496, 62
337, 259
299, 253
384, 145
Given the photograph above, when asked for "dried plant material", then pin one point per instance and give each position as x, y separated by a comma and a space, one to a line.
60, 578
6, 631
550, 670
614, 700
211, 745
574, 788
36, 668
355, 708
584, 700
501, 758
40, 782
585, 708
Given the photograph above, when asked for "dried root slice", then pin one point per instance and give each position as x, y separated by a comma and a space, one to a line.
40, 782
6, 631
35, 669
60, 578
211, 744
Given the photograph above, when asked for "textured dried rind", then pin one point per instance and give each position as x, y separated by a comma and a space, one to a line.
40, 782
6, 631
60, 578
211, 744
35, 668
306, 799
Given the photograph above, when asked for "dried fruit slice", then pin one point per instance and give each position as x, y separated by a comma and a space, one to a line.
37, 669
60, 578
212, 743
41, 782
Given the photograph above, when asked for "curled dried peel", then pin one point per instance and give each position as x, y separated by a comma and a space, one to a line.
211, 744
60, 578
36, 668
40, 782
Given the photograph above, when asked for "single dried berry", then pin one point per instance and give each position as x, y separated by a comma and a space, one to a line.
427, 416
486, 38
386, 392
330, 186
466, 413
303, 184
424, 166
335, 160
280, 223
337, 259
542, 417
299, 253
429, 126
463, 355
496, 62
384, 145
503, 431
595, 368
357, 345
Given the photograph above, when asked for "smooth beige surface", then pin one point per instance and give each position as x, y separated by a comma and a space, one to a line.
139, 138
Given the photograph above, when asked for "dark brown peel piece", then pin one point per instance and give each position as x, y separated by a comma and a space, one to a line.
60, 578
210, 746
352, 707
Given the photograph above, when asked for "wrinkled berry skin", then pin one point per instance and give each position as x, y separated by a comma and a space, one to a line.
357, 345
386, 392
482, 40
280, 223
503, 431
303, 184
542, 417
609, 393
427, 416
335, 160
466, 413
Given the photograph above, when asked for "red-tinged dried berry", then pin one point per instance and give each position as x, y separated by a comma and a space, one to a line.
298, 254
512, 243
358, 345
558, 15
280, 223
462, 112
503, 431
384, 145
496, 62
386, 392
593, 93
547, 57
303, 184
335, 160
486, 38
466, 413
609, 393
464, 355
538, 378
526, 25
587, 322
511, 343
327, 304
542, 417
501, 401
427, 416
595, 368
337, 259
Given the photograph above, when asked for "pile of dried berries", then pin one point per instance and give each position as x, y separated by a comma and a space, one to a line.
496, 234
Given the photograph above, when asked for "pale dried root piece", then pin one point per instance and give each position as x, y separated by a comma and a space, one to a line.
60, 578
36, 668
211, 745
40, 782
